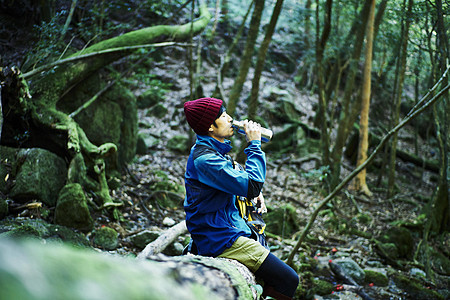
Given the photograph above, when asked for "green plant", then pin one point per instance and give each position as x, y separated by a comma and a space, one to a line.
319, 174
49, 44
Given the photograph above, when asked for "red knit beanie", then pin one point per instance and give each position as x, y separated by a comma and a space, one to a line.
201, 113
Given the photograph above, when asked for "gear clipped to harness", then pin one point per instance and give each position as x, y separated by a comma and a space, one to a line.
253, 219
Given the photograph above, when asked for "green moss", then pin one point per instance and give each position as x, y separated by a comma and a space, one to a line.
413, 288
364, 218
7, 172
178, 143
377, 278
401, 238
158, 110
282, 221
24, 231
149, 98
40, 176
322, 287
106, 238
72, 209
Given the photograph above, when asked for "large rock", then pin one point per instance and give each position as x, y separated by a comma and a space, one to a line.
141, 239
72, 209
106, 238
40, 229
31, 270
40, 175
8, 157
397, 242
112, 118
352, 269
178, 143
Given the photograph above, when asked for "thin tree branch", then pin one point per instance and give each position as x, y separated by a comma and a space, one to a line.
107, 51
158, 245
69, 18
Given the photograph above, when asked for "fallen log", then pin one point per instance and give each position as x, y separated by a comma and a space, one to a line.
30, 269
351, 151
164, 240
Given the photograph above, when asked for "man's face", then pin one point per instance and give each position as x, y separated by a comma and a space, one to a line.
223, 129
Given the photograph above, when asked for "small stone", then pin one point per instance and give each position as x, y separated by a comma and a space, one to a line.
168, 222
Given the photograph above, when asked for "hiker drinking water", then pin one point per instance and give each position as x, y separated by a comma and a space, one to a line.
212, 185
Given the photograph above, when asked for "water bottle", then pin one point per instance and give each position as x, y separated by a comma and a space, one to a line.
266, 134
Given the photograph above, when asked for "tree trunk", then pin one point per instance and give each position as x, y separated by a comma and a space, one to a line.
246, 58
439, 214
360, 180
321, 117
399, 93
225, 62
307, 24
253, 105
346, 118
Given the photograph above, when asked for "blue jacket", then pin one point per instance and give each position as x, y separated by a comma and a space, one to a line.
212, 184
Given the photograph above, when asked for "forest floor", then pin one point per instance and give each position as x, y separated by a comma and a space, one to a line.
339, 227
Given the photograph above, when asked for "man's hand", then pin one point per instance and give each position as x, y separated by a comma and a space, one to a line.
252, 130
260, 204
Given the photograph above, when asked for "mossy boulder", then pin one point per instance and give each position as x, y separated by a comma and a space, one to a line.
30, 270
178, 143
352, 269
376, 277
159, 110
307, 146
397, 242
149, 98
40, 175
438, 261
414, 288
141, 145
146, 142
141, 239
22, 231
106, 238
174, 249
282, 221
38, 228
112, 118
285, 109
8, 157
72, 209
322, 287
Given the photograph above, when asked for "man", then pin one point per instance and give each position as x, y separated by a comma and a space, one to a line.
212, 184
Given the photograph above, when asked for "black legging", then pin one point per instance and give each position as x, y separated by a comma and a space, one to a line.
278, 275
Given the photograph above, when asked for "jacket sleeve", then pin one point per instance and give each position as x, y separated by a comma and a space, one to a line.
218, 172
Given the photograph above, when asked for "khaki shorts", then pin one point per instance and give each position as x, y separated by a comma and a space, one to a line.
248, 252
